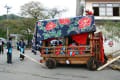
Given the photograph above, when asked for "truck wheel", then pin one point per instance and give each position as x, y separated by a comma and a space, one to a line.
51, 63
92, 64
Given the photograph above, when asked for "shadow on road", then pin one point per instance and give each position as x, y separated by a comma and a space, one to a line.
81, 66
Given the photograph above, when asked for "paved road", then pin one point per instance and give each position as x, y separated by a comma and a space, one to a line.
28, 70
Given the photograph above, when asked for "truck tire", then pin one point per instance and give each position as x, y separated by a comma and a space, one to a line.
51, 63
92, 64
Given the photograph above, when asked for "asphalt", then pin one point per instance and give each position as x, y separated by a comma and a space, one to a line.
28, 70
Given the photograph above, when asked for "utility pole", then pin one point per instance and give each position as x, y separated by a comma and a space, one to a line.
80, 5
7, 8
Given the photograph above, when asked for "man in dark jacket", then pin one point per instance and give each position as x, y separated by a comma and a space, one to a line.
9, 51
22, 46
1, 46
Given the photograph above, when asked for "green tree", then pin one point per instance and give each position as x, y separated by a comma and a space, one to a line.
28, 28
111, 29
2, 33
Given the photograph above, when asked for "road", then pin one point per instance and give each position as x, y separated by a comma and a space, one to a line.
28, 70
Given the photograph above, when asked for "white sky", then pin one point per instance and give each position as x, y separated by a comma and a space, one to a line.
15, 4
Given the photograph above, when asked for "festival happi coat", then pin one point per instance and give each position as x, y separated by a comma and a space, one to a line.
53, 28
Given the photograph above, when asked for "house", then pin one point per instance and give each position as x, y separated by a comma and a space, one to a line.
104, 9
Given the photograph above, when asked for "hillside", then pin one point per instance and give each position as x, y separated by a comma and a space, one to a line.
10, 17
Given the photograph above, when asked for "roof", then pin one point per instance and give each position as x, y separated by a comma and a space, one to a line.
53, 28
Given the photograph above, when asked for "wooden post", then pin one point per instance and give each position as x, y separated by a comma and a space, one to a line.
66, 45
91, 43
43, 50
108, 63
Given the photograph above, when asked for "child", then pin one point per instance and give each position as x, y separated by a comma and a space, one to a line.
22, 46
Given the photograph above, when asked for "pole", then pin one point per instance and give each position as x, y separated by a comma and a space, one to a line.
32, 59
7, 10
80, 5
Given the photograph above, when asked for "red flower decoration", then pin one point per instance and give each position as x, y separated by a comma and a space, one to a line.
39, 24
64, 21
50, 26
84, 22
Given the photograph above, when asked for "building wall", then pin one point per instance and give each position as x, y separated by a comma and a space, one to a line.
102, 0
89, 6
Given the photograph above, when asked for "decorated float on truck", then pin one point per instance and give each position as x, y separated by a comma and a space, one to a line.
70, 41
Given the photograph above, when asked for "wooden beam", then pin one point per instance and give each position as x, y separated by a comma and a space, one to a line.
32, 59
108, 63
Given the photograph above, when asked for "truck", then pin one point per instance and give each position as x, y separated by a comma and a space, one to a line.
70, 41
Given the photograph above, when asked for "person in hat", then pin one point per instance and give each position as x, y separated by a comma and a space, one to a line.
9, 51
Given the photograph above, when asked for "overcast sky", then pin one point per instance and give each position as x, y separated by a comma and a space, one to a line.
70, 5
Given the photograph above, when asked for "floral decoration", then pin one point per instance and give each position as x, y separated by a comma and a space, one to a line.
84, 22
50, 26
64, 21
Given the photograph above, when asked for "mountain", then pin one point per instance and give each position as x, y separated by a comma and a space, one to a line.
10, 17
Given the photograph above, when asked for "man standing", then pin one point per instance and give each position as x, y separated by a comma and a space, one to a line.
22, 46
1, 46
9, 51
17, 45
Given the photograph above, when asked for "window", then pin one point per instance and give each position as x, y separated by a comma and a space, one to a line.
109, 11
102, 11
115, 11
95, 5
106, 9
109, 5
102, 5
116, 5
96, 11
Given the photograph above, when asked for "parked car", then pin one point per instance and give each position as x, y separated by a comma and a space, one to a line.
4, 40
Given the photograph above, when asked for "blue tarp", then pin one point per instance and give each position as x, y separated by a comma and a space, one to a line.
47, 29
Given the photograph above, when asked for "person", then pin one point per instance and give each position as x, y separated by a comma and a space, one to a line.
17, 45
89, 12
60, 50
34, 48
1, 46
9, 51
22, 46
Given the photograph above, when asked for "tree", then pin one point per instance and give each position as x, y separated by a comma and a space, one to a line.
33, 9
111, 30
28, 28
54, 12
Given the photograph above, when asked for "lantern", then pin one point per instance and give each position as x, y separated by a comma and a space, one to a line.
110, 43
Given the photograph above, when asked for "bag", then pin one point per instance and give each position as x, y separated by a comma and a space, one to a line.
10, 50
22, 50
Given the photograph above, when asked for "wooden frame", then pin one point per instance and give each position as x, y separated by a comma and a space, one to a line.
94, 50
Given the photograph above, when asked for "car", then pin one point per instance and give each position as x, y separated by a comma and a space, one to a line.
4, 40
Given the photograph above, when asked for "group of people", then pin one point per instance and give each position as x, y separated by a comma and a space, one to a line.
21, 45
73, 49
